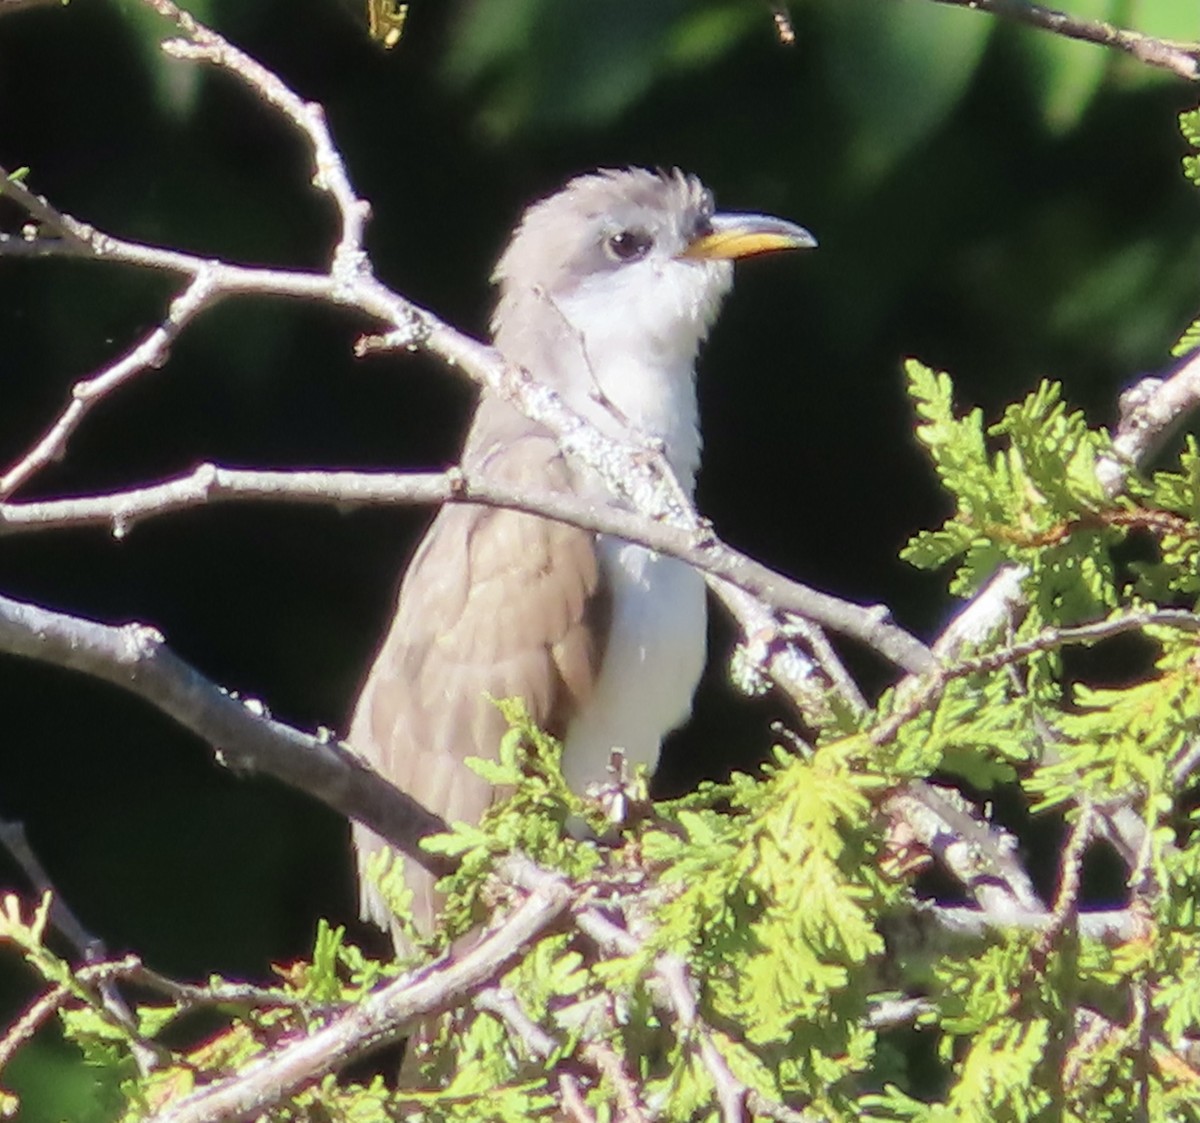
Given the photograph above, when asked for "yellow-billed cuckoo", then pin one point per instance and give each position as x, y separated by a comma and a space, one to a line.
607, 290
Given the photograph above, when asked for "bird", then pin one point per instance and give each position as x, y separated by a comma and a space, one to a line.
607, 289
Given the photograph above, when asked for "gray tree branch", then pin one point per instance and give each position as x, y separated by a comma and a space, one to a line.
135, 658
209, 484
1182, 59
384, 1016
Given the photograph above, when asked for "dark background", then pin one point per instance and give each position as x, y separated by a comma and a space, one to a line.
992, 200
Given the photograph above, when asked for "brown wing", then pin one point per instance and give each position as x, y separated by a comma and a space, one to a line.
495, 603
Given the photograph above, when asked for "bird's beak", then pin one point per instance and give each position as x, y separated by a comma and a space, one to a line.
744, 235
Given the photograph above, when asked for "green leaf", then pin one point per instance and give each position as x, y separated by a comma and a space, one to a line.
1190, 339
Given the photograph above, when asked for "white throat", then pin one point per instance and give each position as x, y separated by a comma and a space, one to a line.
632, 340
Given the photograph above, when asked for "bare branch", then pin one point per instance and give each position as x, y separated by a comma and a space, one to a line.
1179, 58
329, 171
887, 1012
7, 7
1186, 763
1112, 927
385, 1016
504, 1004
187, 995
731, 1092
981, 855
39, 1011
209, 283
89, 948
1070, 874
135, 658
1151, 410
1000, 603
209, 484
44, 215
573, 1103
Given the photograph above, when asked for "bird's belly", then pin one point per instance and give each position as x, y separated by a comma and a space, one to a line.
653, 660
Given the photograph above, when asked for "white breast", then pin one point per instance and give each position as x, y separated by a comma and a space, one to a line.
653, 661
636, 335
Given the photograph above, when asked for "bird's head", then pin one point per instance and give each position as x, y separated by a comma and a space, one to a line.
634, 246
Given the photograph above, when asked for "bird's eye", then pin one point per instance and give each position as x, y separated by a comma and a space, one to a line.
629, 245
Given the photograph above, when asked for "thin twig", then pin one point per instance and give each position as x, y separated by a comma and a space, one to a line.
1049, 639
188, 995
102, 979
1179, 58
504, 1004
46, 218
1070, 874
90, 948
149, 353
36, 1015
16, 842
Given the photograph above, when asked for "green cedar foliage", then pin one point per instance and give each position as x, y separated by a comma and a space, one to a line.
1189, 124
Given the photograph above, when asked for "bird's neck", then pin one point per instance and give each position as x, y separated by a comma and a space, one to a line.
631, 390
631, 374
